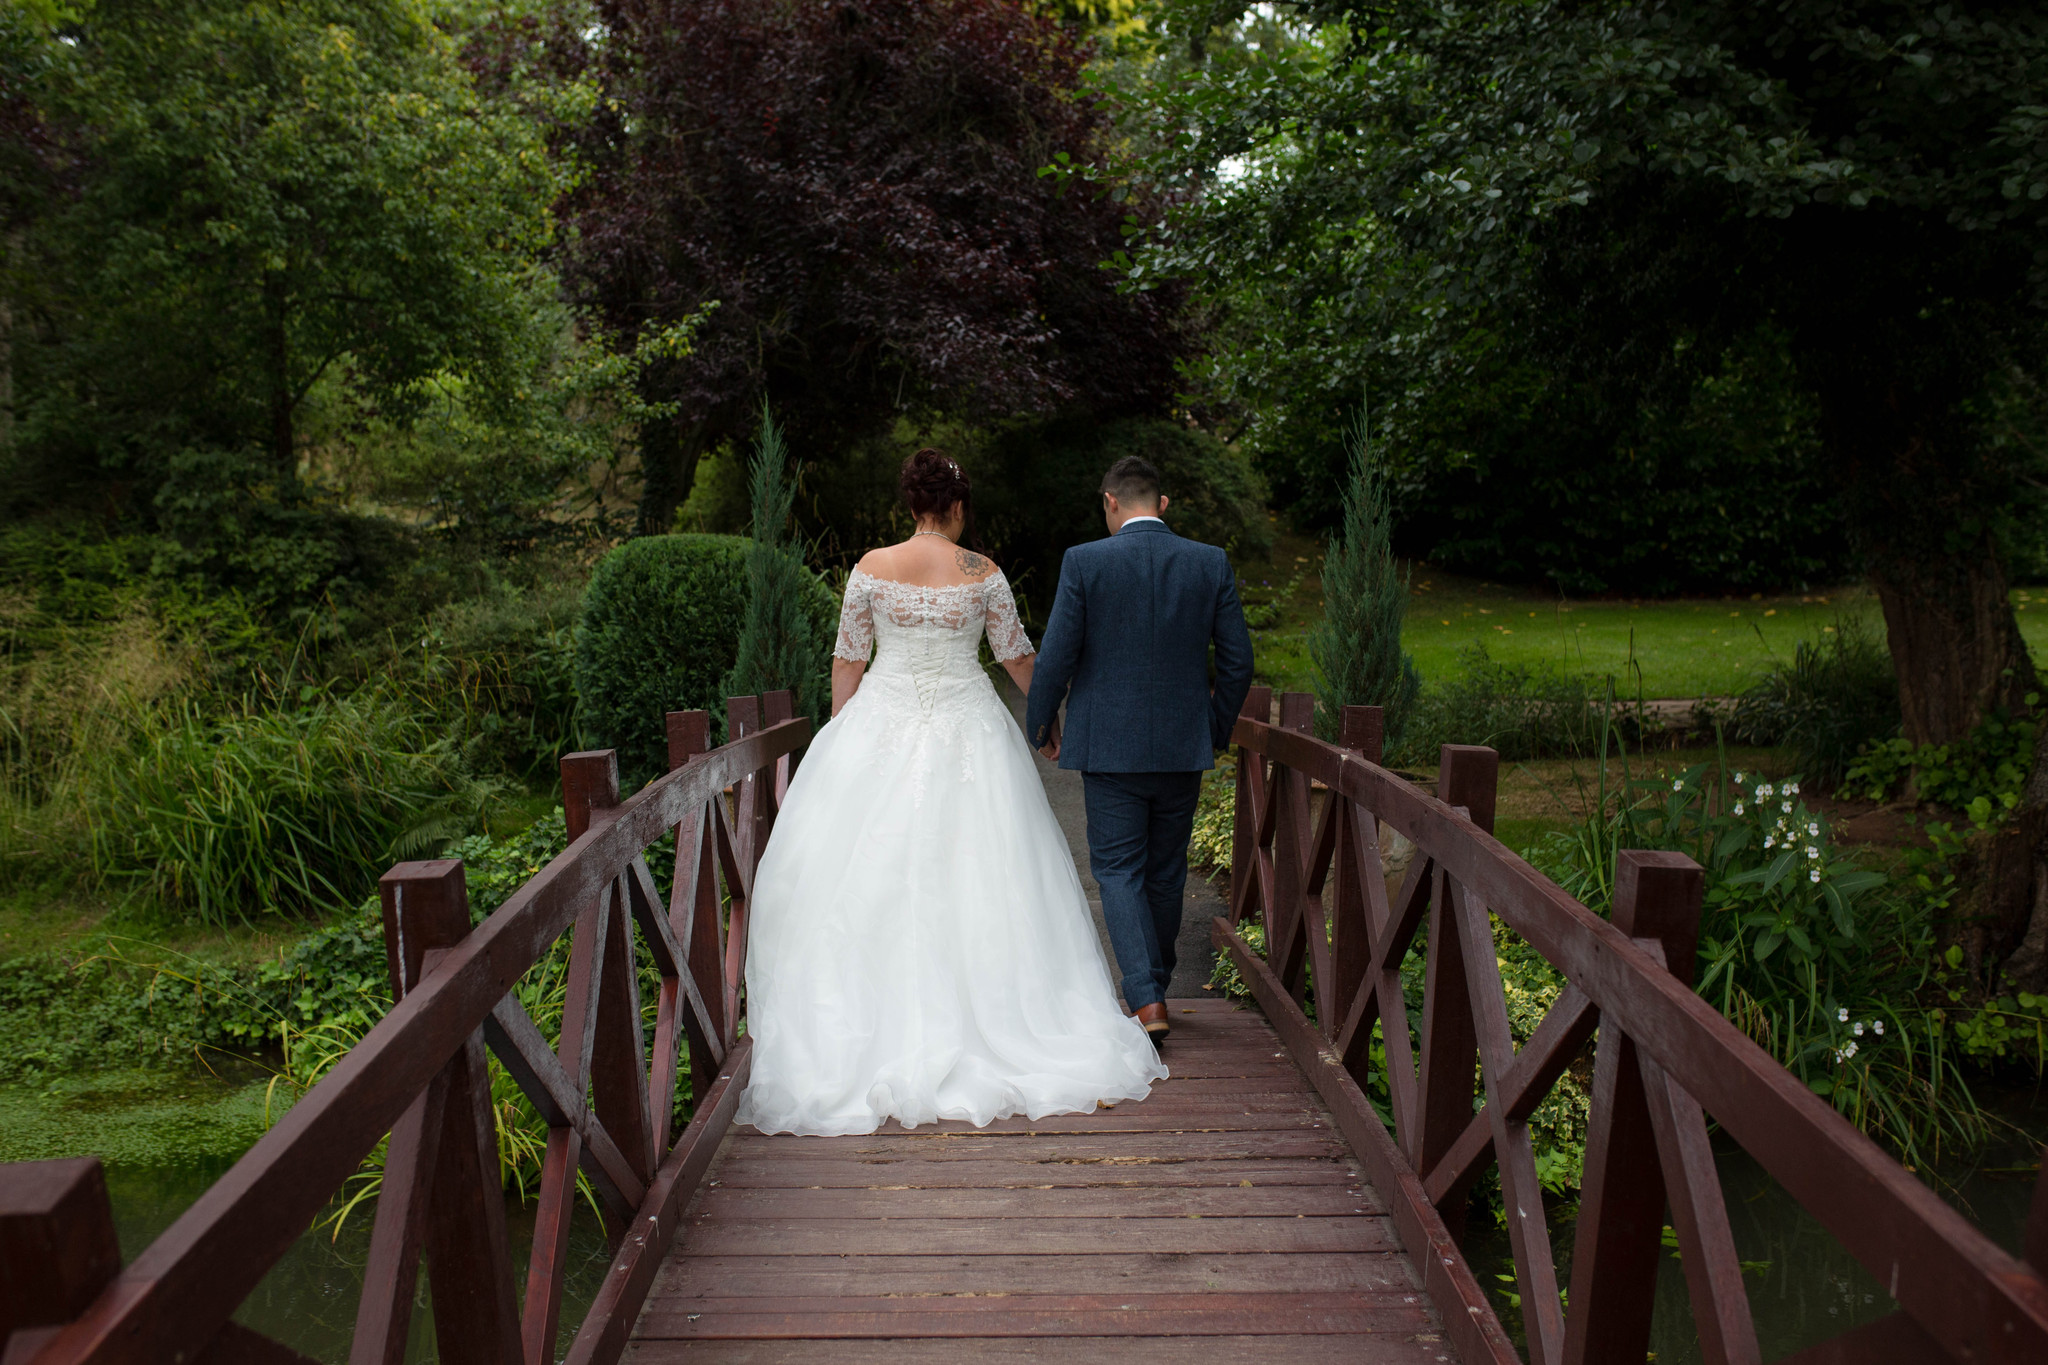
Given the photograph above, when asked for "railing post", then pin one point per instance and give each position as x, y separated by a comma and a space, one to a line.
57, 1248
442, 1192
1621, 1197
1287, 917
1360, 731
695, 914
1244, 825
618, 1067
1468, 776
689, 734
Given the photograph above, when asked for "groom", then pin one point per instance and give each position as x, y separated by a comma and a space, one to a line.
1130, 631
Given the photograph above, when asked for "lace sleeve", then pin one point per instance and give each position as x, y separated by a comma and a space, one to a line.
856, 621
1006, 637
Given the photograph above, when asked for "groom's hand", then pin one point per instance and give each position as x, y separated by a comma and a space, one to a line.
1051, 748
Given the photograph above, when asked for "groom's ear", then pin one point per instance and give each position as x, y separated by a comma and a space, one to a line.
1163, 500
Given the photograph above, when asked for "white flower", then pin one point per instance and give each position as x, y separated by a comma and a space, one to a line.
1791, 789
1814, 829
1770, 841
1738, 808
1763, 791
1878, 1024
1785, 806
1812, 852
1842, 1016
1813, 875
1738, 777
1849, 1051
1857, 1028
1678, 784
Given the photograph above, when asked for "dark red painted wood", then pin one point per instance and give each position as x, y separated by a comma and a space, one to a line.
1975, 1300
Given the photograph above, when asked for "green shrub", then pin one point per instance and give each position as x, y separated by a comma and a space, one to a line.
1982, 775
276, 811
1521, 710
660, 630
1837, 695
1820, 961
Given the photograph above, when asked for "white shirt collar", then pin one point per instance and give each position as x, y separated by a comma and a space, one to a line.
1132, 520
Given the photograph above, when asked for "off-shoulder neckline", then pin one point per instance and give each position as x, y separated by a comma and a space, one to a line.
925, 587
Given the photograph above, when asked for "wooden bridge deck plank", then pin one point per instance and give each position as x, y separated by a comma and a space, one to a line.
1220, 1219
1156, 1272
1164, 1350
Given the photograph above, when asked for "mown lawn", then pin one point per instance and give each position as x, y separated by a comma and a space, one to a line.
1689, 647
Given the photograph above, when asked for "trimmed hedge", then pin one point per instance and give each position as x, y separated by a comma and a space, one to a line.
661, 627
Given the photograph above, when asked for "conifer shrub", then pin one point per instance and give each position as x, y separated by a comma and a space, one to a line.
660, 631
1357, 645
783, 643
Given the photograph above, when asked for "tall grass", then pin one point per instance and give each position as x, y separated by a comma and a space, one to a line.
1835, 695
224, 819
1520, 710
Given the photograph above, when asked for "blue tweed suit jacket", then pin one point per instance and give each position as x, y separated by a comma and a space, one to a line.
1130, 633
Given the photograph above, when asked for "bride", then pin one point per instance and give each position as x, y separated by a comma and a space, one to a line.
920, 946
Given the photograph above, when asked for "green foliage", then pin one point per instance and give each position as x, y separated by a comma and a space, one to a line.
1357, 645
660, 630
275, 811
499, 669
783, 643
1522, 710
1982, 776
1038, 491
1838, 694
1822, 962
268, 193
1224, 976
1210, 845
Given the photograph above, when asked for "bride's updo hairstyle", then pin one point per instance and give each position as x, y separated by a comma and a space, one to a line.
933, 484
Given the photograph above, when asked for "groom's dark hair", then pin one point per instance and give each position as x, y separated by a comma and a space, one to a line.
1132, 482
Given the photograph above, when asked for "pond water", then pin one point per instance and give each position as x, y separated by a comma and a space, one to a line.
1803, 1287
165, 1136
308, 1300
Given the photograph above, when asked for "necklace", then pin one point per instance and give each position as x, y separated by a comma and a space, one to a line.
940, 534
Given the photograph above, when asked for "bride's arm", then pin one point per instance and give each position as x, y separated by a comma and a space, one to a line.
846, 681
1019, 670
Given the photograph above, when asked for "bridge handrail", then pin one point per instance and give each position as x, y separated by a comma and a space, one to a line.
1665, 1060
419, 1075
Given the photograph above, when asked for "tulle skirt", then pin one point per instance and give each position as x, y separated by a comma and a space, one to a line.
920, 946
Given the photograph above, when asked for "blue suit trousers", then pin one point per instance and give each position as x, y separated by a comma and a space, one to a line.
1138, 830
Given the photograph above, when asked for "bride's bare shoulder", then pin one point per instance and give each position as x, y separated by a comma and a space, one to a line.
973, 566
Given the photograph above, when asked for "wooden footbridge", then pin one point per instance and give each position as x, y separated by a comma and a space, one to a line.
1256, 1207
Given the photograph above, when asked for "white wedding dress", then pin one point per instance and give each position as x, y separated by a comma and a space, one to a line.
920, 946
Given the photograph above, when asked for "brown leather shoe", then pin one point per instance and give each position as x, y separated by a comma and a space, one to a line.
1153, 1017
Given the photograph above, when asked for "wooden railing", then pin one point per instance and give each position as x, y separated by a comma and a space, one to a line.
420, 1076
1664, 1061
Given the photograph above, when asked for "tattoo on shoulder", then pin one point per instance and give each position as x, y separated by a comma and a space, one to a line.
971, 564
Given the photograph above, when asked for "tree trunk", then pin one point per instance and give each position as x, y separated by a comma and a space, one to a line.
283, 448
1922, 487
1955, 642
